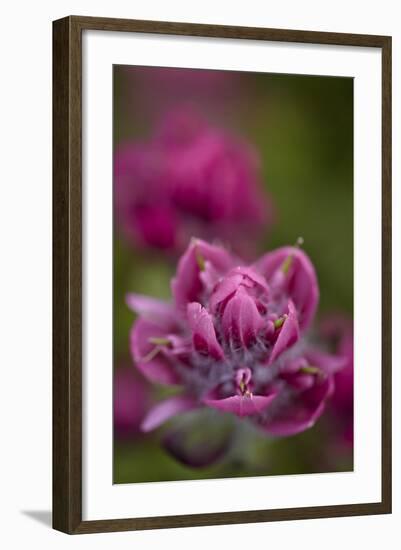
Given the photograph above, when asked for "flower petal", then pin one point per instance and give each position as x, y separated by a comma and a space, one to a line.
241, 319
224, 290
288, 335
203, 332
187, 285
160, 312
251, 277
300, 413
165, 410
327, 362
148, 356
241, 405
290, 269
227, 286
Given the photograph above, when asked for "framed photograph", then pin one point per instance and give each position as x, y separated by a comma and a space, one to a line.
221, 274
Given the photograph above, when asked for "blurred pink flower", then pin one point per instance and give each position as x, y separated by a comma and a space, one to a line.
233, 340
189, 179
130, 401
339, 330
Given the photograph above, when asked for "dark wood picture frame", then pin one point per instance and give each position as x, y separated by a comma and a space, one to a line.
67, 274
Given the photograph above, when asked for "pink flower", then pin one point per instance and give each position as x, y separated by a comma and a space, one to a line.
233, 339
338, 329
130, 401
189, 178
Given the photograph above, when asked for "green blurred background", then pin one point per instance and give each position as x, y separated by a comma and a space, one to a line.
302, 127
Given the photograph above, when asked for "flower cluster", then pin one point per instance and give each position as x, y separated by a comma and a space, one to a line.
189, 179
233, 339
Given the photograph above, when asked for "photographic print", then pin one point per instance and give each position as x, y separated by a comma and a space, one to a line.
232, 274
